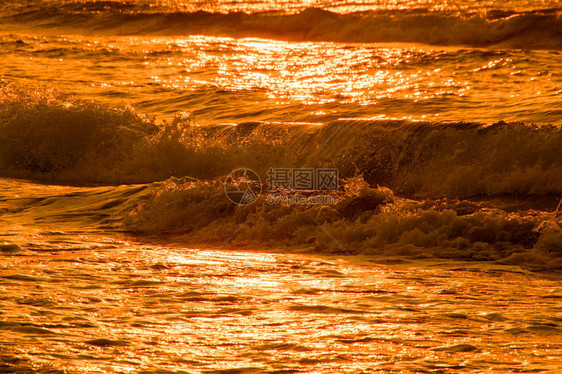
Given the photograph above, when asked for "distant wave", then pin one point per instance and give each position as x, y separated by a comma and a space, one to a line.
45, 135
541, 29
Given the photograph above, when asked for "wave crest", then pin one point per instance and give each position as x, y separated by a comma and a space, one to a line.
199, 213
45, 135
541, 29
43, 132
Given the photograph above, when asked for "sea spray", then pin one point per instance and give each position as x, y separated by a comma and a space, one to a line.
199, 213
45, 133
51, 137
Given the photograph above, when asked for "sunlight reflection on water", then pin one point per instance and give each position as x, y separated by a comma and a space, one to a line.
153, 308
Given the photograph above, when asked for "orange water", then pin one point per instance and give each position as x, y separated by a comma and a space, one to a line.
81, 294
81, 297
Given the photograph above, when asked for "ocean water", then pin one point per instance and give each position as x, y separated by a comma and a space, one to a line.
121, 252
314, 64
80, 296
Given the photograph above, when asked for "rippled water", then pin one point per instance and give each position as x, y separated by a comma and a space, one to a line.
292, 5
164, 57
96, 278
229, 80
125, 307
81, 297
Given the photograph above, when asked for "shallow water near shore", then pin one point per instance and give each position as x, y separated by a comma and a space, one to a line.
123, 307
84, 298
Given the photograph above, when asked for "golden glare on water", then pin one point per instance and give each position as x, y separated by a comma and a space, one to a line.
436, 247
344, 6
79, 299
157, 308
230, 80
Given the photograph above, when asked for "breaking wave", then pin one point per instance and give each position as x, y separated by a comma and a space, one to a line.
416, 189
45, 135
541, 29
366, 221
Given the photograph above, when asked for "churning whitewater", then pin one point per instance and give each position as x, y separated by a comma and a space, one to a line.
444, 190
128, 128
